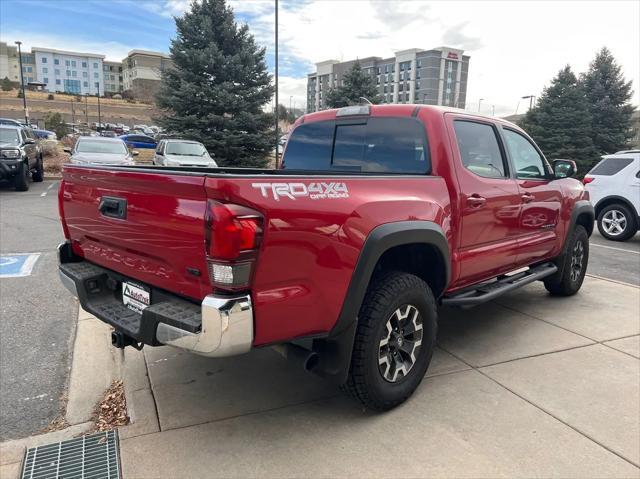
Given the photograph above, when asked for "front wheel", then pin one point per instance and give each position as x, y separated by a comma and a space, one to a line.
21, 180
573, 265
394, 341
617, 223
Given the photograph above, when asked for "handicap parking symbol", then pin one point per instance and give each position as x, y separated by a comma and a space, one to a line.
16, 265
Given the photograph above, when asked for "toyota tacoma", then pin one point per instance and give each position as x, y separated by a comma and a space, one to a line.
340, 258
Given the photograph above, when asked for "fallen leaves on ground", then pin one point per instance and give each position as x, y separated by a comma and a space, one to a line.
111, 412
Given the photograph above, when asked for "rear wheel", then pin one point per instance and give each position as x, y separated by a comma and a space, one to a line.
38, 175
617, 223
573, 267
21, 180
394, 341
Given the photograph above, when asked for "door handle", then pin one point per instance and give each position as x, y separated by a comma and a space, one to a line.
476, 201
113, 207
527, 198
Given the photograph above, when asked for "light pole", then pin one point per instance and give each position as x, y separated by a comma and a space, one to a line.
99, 119
479, 103
86, 108
276, 82
531, 98
24, 97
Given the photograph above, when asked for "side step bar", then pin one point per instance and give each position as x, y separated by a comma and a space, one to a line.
488, 291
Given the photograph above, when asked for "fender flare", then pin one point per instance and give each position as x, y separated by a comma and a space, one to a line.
618, 199
335, 350
581, 207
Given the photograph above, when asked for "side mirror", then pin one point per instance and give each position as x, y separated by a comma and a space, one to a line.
67, 150
135, 153
564, 168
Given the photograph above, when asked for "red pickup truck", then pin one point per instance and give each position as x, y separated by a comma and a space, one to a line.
339, 259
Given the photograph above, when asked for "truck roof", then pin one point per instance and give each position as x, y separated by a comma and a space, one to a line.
403, 109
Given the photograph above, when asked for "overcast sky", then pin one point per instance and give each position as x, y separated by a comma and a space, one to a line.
516, 47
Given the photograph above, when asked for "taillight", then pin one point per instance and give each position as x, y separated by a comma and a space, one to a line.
65, 228
232, 238
587, 179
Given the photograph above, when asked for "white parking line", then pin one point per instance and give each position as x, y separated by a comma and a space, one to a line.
613, 248
48, 189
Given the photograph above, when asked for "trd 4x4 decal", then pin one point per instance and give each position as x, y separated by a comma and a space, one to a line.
315, 191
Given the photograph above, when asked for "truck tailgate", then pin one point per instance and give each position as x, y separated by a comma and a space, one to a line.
150, 226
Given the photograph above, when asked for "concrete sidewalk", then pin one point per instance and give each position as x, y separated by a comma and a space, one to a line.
527, 386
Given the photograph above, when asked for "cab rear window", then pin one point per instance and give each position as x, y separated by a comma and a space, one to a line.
371, 145
611, 166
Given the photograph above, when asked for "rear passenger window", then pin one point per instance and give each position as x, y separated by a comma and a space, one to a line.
479, 149
611, 166
376, 145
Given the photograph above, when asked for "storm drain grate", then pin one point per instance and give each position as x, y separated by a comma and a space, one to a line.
96, 456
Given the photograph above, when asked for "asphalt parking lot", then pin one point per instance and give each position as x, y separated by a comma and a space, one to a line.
38, 315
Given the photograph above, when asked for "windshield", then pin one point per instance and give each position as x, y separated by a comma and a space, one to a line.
185, 149
9, 135
91, 146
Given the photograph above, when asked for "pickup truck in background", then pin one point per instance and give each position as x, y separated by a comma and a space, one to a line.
341, 258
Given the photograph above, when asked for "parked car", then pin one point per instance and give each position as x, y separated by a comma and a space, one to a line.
20, 156
108, 134
139, 141
614, 188
45, 134
340, 259
182, 153
10, 122
90, 150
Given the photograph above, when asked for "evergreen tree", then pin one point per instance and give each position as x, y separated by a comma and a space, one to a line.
217, 87
357, 84
6, 84
53, 121
609, 98
561, 124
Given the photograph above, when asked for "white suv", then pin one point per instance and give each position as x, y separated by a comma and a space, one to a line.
614, 188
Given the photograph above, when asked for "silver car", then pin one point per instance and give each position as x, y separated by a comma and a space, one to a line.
182, 153
96, 150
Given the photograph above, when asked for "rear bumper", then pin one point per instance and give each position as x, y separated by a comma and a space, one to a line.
220, 326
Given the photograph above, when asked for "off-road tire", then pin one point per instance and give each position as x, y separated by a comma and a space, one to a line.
631, 226
568, 282
21, 180
385, 295
38, 175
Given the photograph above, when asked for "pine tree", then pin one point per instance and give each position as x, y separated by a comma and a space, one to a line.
561, 124
217, 86
609, 98
357, 85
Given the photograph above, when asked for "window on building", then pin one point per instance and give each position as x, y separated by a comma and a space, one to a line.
85, 84
73, 63
56, 61
84, 64
45, 70
57, 72
68, 73
401, 87
419, 63
29, 79
378, 81
74, 73
67, 63
58, 81
44, 59
45, 79
479, 149
385, 89
526, 159
96, 75
406, 97
95, 65
85, 75
401, 77
402, 67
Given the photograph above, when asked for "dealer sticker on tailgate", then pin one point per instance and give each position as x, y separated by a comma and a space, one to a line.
135, 297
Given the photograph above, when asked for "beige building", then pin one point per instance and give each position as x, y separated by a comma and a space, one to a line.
112, 72
9, 62
142, 71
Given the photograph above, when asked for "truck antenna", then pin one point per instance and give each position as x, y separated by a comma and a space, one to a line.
365, 99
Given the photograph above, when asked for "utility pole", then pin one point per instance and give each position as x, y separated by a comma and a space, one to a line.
99, 118
86, 108
479, 103
276, 65
24, 97
531, 98
73, 113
